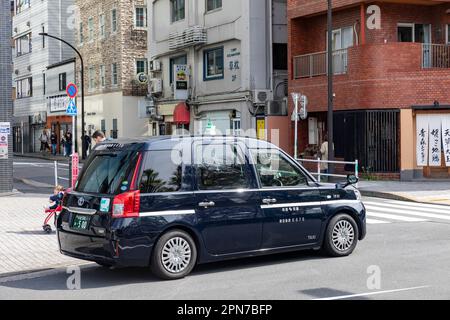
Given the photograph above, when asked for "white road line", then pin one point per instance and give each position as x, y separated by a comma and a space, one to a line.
375, 221
418, 204
410, 213
372, 293
62, 178
375, 214
397, 206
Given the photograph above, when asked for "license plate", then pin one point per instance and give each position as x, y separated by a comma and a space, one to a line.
81, 222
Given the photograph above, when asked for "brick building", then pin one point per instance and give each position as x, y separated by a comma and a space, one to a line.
112, 38
391, 78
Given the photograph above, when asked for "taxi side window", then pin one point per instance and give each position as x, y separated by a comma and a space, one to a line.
275, 170
160, 173
221, 167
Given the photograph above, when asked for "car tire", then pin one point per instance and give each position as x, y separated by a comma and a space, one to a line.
174, 255
341, 236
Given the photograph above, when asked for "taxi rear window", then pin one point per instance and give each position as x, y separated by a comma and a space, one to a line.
108, 173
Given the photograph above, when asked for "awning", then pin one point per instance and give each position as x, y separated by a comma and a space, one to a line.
181, 114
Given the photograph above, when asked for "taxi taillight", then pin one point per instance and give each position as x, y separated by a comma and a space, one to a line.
126, 205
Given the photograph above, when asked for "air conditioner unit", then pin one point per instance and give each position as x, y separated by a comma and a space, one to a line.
155, 65
156, 85
277, 108
261, 97
16, 71
151, 111
28, 23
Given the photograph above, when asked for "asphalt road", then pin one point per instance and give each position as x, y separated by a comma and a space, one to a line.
38, 176
397, 260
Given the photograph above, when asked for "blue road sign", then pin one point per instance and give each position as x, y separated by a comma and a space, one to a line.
71, 108
72, 90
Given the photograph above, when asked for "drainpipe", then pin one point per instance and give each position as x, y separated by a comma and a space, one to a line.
270, 9
363, 24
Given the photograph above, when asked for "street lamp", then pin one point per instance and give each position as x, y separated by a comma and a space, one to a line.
330, 89
83, 149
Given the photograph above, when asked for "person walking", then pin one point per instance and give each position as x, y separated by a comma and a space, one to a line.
99, 137
54, 142
87, 144
68, 143
63, 143
324, 157
44, 141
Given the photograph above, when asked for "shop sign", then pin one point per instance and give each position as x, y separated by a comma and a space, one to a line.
435, 141
181, 81
3, 146
5, 127
446, 138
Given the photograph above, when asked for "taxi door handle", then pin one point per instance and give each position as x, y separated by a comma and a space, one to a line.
269, 201
206, 204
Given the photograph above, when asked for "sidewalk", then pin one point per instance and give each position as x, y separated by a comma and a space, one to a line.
23, 244
43, 156
427, 191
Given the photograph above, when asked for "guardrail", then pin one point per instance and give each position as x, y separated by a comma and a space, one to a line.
319, 173
55, 165
435, 56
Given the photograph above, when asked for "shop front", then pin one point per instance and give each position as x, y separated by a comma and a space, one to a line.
38, 122
57, 120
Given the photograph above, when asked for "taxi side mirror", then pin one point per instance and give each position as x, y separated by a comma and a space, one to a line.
352, 179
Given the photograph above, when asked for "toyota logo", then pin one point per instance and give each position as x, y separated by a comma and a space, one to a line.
80, 202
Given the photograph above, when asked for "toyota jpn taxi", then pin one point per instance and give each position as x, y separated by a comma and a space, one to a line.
169, 203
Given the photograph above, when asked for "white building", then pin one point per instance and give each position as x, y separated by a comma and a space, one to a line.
236, 55
31, 56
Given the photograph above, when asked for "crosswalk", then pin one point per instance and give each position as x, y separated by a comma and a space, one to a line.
381, 211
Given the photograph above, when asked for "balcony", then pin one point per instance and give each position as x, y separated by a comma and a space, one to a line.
315, 64
435, 56
190, 37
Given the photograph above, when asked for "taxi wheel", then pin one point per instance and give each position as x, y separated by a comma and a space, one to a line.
174, 255
341, 236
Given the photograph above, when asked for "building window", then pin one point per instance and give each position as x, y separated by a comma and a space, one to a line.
114, 131
91, 28
213, 4
23, 45
62, 81
175, 61
141, 66
178, 10
113, 20
102, 26
140, 17
114, 74
91, 78
102, 76
81, 33
342, 38
21, 5
24, 88
213, 62
103, 126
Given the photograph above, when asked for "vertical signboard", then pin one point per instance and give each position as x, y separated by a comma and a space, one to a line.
75, 162
422, 140
446, 138
181, 81
3, 146
435, 135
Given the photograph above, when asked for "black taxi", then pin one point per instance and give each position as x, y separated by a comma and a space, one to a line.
169, 203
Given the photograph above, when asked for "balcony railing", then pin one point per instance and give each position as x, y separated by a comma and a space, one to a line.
435, 56
315, 64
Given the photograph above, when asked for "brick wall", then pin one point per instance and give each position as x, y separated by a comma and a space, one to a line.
6, 169
122, 47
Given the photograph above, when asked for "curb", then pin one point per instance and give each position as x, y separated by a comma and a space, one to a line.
33, 273
393, 196
9, 194
39, 156
33, 183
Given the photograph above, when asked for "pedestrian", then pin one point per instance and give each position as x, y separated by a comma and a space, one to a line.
99, 137
54, 142
324, 157
63, 144
68, 143
44, 141
86, 143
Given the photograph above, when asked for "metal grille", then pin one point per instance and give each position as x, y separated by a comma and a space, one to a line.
372, 137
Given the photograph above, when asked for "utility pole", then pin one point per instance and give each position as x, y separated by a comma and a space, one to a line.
6, 143
83, 152
330, 88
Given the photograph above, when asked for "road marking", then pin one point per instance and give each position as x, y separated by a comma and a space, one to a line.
371, 213
375, 221
418, 204
372, 293
410, 213
388, 205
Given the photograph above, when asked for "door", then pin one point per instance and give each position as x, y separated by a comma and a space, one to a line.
290, 201
227, 199
405, 32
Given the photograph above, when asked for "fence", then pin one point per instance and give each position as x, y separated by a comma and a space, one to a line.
56, 166
435, 56
315, 64
319, 173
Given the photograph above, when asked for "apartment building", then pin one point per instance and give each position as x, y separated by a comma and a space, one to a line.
31, 56
112, 38
218, 67
391, 65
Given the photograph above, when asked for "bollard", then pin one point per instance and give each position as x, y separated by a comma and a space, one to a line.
56, 173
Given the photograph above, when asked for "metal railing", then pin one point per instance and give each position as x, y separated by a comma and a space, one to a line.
315, 64
435, 56
319, 173
57, 168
